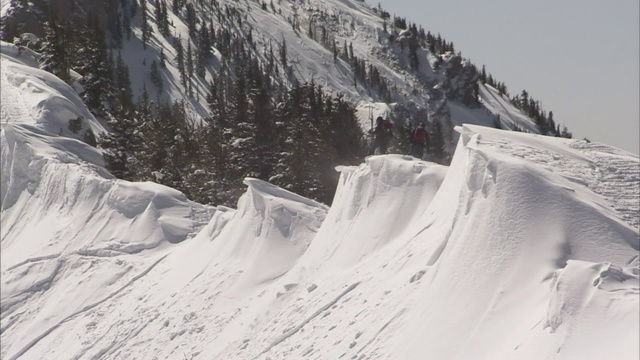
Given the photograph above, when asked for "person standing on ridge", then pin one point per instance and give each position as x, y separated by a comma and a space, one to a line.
419, 141
382, 134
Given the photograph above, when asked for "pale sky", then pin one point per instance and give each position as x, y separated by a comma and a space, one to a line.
579, 58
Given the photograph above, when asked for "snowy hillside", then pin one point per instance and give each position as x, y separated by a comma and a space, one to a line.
434, 89
526, 247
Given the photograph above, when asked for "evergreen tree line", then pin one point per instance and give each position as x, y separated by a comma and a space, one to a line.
294, 143
543, 120
486, 78
531, 107
294, 139
105, 81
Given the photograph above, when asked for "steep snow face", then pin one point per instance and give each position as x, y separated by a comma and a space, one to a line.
531, 254
375, 204
271, 230
226, 269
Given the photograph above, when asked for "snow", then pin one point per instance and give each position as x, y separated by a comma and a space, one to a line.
37, 97
499, 105
5, 6
368, 112
525, 247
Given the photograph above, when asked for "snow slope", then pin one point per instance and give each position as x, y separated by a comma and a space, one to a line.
526, 247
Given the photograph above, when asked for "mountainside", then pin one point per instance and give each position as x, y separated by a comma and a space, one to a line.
324, 41
525, 247
197, 95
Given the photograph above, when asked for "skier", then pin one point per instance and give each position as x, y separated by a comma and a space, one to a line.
382, 134
419, 141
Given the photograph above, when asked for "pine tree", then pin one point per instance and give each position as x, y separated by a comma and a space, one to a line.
283, 53
191, 19
123, 102
190, 67
437, 141
240, 136
158, 133
147, 30
181, 62
162, 58
156, 78
54, 48
121, 147
164, 19
524, 102
93, 63
413, 50
551, 124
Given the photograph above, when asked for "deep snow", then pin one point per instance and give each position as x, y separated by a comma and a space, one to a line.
526, 247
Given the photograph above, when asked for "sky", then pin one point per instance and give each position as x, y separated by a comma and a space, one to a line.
579, 58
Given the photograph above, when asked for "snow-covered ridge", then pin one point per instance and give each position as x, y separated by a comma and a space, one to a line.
36, 97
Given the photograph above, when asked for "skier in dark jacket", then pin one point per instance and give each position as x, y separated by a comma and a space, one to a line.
382, 134
419, 141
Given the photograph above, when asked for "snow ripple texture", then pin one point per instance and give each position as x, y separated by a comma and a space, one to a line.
607, 171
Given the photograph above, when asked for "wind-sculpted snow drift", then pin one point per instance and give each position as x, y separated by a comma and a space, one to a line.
526, 247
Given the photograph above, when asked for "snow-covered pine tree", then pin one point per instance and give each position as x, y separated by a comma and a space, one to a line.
156, 77
92, 61
122, 146
123, 101
181, 61
157, 134
54, 47
240, 135
147, 30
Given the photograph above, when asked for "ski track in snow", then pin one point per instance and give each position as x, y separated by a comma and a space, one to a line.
307, 320
615, 177
34, 259
35, 340
13, 109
